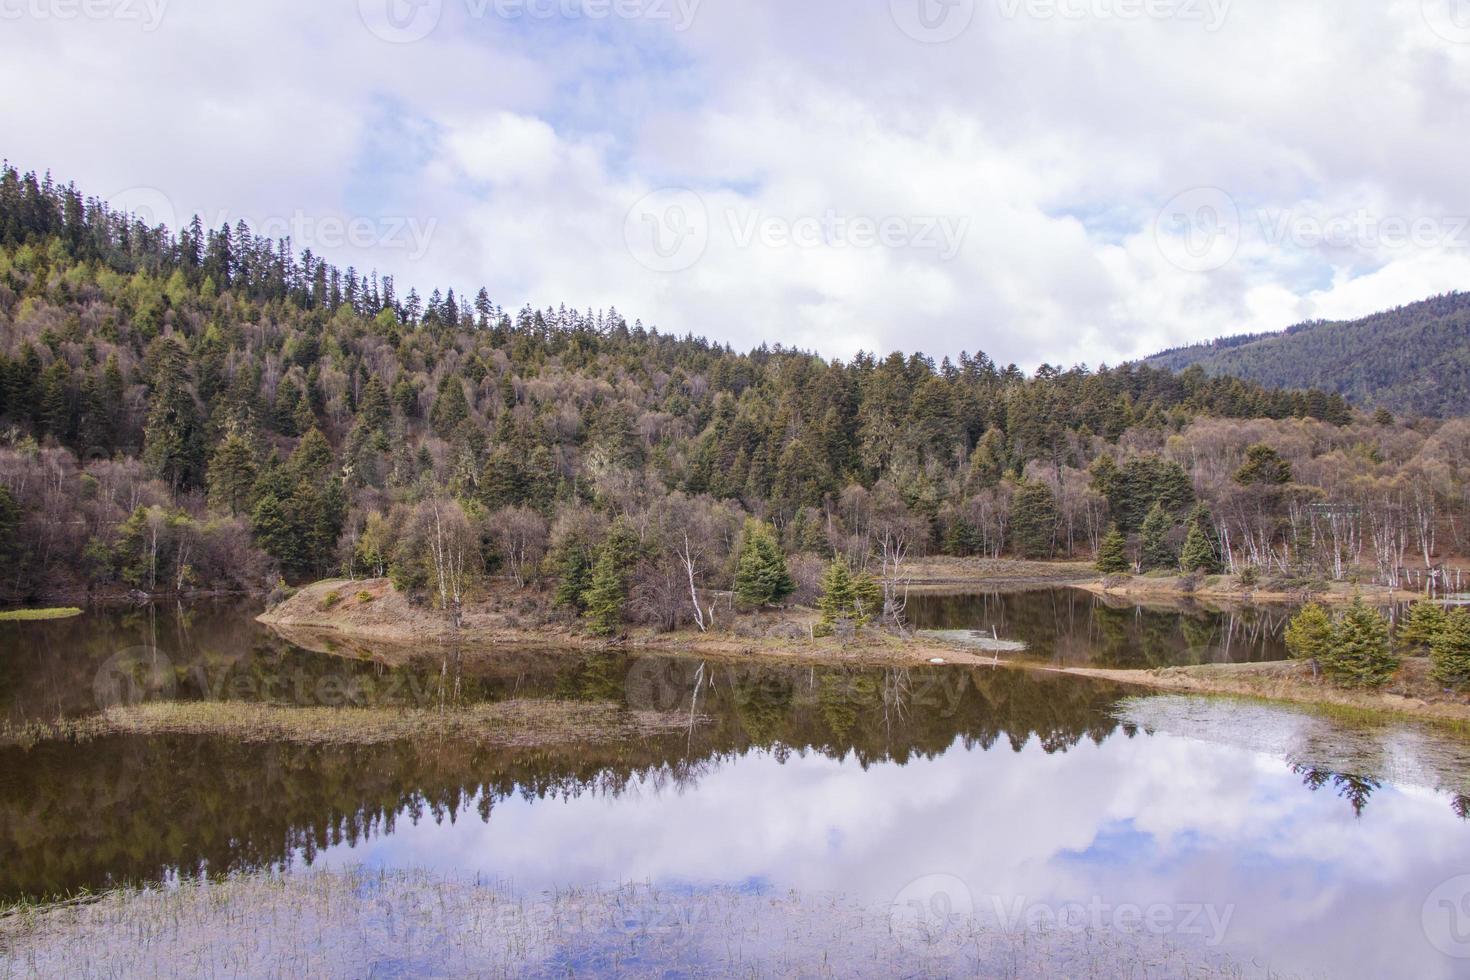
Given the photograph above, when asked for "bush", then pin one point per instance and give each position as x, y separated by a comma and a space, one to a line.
364, 597
1450, 649
330, 600
1360, 654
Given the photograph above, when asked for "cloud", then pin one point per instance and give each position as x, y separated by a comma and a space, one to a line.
1012, 177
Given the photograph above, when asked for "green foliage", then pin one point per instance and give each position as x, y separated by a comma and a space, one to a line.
1154, 550
761, 578
1201, 551
1423, 623
1450, 650
1140, 484
1263, 465
232, 473
1034, 520
1382, 359
572, 565
1112, 554
1360, 654
607, 591
847, 597
1309, 634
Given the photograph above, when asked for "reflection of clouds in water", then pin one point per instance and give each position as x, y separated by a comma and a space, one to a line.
1149, 820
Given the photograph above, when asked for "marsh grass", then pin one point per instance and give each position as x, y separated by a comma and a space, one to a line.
358, 922
36, 615
504, 723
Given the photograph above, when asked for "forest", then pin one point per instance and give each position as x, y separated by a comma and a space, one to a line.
1414, 359
209, 411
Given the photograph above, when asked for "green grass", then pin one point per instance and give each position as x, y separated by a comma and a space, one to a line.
30, 615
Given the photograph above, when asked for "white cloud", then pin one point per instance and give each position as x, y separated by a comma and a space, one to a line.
1053, 141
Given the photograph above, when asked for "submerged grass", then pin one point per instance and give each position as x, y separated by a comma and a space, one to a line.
32, 615
504, 723
358, 922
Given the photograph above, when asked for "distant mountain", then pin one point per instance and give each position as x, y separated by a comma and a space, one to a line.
1414, 359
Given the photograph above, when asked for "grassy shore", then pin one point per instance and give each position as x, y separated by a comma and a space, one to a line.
1411, 694
35, 615
1231, 588
508, 723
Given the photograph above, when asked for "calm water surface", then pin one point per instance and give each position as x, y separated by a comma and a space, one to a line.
1300, 845
1071, 626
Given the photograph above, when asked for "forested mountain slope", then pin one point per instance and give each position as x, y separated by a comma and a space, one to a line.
212, 410
1414, 359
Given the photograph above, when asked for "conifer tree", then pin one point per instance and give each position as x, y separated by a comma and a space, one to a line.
1034, 520
1450, 650
1423, 623
1201, 547
1360, 654
1309, 634
761, 578
232, 474
1154, 551
607, 591
1112, 554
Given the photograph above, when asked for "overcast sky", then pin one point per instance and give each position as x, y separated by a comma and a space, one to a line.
1046, 180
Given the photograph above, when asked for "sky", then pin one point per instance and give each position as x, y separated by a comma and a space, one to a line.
1049, 181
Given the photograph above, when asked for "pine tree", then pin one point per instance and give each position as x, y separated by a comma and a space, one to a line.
1423, 623
607, 591
1154, 551
232, 474
1034, 520
573, 564
1201, 544
1360, 654
1112, 554
1309, 634
761, 578
1450, 650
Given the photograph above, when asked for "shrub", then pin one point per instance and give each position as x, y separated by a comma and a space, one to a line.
1360, 654
330, 600
1450, 649
364, 597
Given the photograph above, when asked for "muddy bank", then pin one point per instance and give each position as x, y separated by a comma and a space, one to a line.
370, 617
1229, 588
1411, 694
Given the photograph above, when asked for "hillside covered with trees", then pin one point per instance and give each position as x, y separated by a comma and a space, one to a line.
210, 410
1414, 359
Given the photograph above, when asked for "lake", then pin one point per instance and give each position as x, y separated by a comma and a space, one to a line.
1262, 838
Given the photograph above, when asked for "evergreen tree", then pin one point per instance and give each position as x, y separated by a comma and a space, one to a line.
232, 473
1154, 551
1309, 634
1112, 554
1450, 650
1360, 654
1263, 465
1034, 520
761, 578
172, 443
1419, 628
1201, 546
607, 592
572, 565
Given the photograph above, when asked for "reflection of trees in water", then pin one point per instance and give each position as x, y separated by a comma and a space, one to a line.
1074, 626
1353, 788
130, 808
